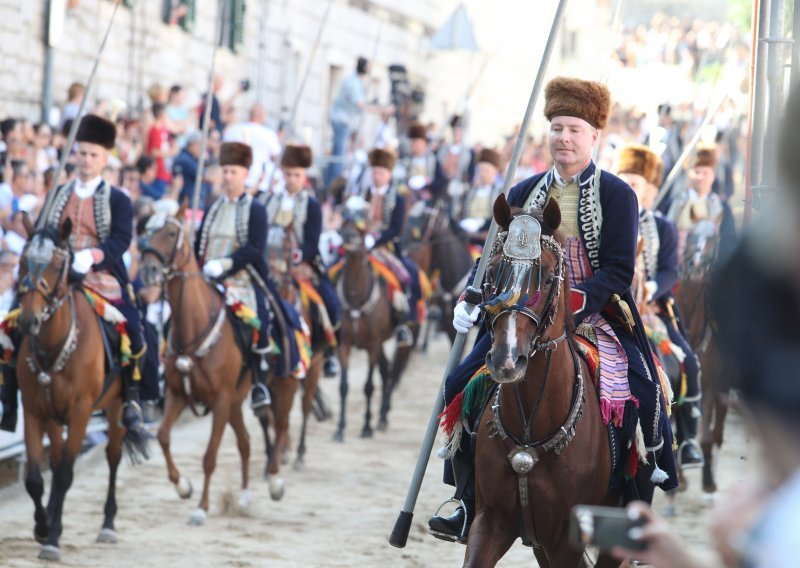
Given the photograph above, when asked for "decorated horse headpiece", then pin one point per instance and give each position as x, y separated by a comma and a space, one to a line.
356, 211
39, 254
522, 259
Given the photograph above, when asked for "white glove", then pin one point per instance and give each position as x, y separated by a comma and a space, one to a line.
369, 241
83, 261
462, 319
416, 182
213, 269
650, 288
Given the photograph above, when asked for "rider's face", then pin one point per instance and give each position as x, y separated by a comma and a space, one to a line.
381, 176
92, 158
233, 179
487, 173
295, 179
702, 178
419, 146
640, 188
571, 141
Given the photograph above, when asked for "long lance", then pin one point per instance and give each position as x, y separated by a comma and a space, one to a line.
687, 151
201, 163
616, 20
73, 130
299, 94
402, 526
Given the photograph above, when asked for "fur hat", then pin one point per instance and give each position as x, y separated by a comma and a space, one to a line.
638, 159
379, 158
490, 156
96, 130
417, 130
297, 156
235, 154
658, 176
587, 100
705, 156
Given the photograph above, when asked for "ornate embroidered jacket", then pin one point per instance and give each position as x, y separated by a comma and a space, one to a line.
305, 218
113, 219
660, 252
392, 213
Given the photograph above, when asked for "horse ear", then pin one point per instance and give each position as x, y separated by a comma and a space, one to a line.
27, 224
181, 214
502, 212
552, 214
66, 230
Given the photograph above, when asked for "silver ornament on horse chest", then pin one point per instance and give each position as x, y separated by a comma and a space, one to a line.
522, 461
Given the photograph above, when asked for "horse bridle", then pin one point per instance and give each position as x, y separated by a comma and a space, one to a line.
167, 264
34, 281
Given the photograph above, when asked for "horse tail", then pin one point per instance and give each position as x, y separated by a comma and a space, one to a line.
136, 444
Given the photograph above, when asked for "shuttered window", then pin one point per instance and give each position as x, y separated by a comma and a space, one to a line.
180, 12
233, 24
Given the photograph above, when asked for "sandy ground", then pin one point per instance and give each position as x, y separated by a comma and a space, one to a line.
338, 511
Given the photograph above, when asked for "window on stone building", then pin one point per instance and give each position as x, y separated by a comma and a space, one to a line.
179, 13
233, 24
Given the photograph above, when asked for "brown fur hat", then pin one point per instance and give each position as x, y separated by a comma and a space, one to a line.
417, 130
97, 130
638, 159
587, 100
705, 156
490, 156
658, 175
235, 154
297, 156
379, 158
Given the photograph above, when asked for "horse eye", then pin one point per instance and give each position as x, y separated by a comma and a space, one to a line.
173, 234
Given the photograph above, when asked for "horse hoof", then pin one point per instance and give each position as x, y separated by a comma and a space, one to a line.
383, 425
197, 518
366, 433
669, 511
276, 488
40, 538
183, 487
338, 436
50, 552
107, 536
245, 500
708, 499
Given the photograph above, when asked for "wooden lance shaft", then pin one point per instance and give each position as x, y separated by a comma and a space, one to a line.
402, 526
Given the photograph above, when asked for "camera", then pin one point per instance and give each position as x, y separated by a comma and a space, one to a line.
244, 84
603, 527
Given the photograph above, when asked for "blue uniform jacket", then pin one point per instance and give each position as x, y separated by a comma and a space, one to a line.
668, 259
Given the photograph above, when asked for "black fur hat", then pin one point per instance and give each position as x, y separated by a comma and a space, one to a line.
97, 130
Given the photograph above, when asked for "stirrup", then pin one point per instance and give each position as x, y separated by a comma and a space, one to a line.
461, 538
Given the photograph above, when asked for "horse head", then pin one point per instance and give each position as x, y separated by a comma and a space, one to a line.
164, 248
354, 227
283, 251
526, 288
43, 274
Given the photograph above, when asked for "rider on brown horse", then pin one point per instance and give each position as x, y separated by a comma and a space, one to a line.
420, 175
641, 168
385, 226
231, 248
295, 206
102, 225
476, 211
600, 223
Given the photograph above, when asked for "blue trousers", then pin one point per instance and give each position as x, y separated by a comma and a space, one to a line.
134, 325
415, 291
691, 365
331, 299
336, 165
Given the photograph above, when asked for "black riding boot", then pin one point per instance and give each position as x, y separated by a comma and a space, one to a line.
260, 399
456, 527
690, 455
330, 368
8, 397
132, 417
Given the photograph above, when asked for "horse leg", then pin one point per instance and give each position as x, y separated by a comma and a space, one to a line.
310, 388
344, 358
34, 483
387, 383
562, 554
113, 455
488, 541
221, 413
236, 421
268, 445
173, 406
369, 388
62, 478
282, 398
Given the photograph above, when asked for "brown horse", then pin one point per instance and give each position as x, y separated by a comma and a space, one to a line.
204, 364
281, 248
61, 374
442, 253
697, 320
367, 324
546, 400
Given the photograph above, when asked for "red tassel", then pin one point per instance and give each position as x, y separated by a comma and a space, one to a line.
633, 461
451, 415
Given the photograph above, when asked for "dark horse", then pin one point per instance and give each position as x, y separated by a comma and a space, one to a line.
61, 373
698, 321
542, 447
204, 363
441, 252
367, 324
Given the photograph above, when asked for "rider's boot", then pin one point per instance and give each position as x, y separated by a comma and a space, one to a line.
330, 368
401, 309
132, 416
8, 398
690, 455
456, 526
260, 399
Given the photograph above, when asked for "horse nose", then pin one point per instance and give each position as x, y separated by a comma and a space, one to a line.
29, 324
